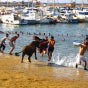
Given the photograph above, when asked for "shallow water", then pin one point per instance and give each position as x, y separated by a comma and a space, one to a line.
64, 53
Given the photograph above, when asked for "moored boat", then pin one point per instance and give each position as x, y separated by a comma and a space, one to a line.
12, 19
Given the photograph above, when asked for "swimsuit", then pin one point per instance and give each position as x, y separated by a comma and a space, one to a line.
79, 58
51, 49
12, 40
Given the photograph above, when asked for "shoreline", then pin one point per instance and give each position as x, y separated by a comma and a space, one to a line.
38, 74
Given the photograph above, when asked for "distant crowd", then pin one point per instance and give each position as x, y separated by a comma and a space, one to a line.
44, 34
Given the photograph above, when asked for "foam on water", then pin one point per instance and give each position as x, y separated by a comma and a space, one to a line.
68, 61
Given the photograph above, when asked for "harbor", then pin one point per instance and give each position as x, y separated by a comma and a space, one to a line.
42, 13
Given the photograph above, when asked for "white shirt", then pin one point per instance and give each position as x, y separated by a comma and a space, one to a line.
3, 40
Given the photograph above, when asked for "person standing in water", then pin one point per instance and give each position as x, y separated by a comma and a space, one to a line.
12, 43
51, 47
43, 46
2, 43
80, 57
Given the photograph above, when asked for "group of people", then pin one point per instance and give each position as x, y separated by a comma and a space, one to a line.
80, 56
11, 42
45, 45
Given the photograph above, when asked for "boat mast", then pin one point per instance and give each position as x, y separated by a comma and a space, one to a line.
54, 6
7, 3
82, 3
71, 1
47, 3
65, 2
32, 3
28, 3
75, 3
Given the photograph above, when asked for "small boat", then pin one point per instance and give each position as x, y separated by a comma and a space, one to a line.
82, 15
13, 19
62, 21
47, 20
31, 15
70, 18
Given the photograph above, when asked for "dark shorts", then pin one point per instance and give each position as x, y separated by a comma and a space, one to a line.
50, 49
2, 46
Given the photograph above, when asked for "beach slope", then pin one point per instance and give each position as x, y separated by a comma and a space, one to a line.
14, 74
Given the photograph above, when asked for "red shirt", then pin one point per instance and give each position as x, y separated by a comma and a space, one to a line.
13, 38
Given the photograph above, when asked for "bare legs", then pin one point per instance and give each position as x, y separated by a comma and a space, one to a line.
2, 47
49, 56
85, 64
11, 50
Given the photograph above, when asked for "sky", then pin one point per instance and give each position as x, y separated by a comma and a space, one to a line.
49, 1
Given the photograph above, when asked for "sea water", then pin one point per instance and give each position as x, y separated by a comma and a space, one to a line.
64, 34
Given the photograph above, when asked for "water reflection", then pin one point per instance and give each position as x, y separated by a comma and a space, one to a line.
9, 27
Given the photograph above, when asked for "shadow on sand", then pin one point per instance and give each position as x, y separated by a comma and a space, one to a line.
48, 64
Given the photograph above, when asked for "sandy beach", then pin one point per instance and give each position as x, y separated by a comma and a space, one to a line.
14, 74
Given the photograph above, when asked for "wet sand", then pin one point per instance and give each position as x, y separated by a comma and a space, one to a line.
14, 74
